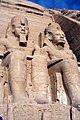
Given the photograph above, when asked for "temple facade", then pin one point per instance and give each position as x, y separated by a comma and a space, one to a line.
39, 62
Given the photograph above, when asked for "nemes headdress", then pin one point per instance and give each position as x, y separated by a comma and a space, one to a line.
19, 19
52, 27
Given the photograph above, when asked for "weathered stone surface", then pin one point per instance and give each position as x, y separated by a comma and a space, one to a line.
40, 112
22, 112
75, 114
32, 53
75, 14
3, 111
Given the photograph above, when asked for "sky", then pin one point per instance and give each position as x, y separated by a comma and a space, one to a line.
60, 4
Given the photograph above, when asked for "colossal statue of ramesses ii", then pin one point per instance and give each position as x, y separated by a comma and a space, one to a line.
14, 51
61, 59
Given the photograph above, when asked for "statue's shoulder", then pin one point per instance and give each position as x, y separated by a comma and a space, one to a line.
3, 41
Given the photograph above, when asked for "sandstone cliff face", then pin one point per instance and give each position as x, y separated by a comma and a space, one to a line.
75, 14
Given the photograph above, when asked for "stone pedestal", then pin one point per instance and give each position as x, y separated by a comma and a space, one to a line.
38, 112
75, 114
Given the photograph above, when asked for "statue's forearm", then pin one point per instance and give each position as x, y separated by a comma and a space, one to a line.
53, 62
1, 54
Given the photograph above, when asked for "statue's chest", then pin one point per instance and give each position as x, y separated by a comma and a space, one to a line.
16, 47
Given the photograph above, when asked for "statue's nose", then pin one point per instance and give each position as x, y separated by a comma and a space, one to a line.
62, 37
23, 28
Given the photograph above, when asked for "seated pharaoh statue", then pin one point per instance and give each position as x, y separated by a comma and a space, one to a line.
14, 51
61, 59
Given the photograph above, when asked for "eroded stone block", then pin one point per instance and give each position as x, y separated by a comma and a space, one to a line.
75, 114
60, 112
38, 112
22, 112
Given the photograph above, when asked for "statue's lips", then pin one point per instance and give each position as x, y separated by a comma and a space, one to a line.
61, 40
22, 32
61, 43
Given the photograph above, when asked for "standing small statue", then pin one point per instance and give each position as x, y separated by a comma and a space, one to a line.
61, 59
14, 51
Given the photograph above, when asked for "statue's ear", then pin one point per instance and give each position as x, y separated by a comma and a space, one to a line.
26, 21
49, 24
28, 31
8, 29
45, 32
28, 28
41, 40
13, 30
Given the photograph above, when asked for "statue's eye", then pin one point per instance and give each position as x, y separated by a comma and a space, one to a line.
18, 26
49, 33
57, 34
13, 26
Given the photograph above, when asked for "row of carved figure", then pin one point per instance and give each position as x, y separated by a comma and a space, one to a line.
52, 52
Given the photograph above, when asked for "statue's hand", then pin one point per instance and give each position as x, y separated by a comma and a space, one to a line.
53, 62
30, 57
36, 47
37, 50
48, 43
1, 55
6, 53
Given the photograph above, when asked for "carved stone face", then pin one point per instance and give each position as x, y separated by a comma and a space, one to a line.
59, 37
55, 35
19, 26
